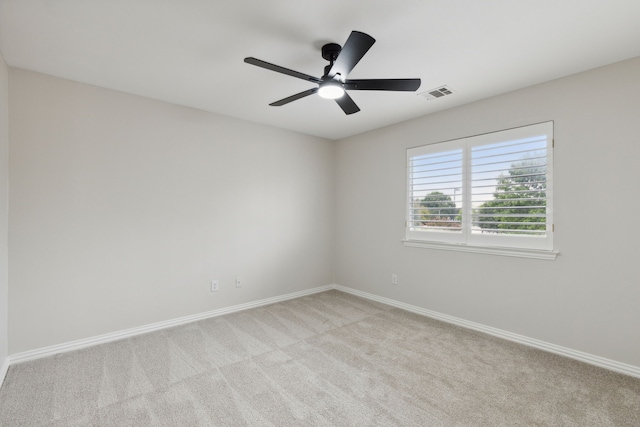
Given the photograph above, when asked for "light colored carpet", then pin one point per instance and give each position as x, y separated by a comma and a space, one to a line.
330, 359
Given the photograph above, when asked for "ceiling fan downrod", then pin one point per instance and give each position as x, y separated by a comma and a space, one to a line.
330, 52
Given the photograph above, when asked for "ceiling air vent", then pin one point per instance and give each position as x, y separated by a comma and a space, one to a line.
436, 93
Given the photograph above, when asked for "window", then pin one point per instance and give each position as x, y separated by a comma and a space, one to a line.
486, 191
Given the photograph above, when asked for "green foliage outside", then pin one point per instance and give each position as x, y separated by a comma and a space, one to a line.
438, 210
521, 192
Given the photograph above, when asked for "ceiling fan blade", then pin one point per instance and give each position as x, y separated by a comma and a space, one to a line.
346, 103
352, 52
294, 97
383, 84
279, 69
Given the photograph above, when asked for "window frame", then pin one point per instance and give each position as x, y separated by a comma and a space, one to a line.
467, 241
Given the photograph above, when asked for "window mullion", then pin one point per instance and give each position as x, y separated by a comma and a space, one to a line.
466, 191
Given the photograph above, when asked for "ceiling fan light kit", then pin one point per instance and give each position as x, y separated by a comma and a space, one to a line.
334, 83
331, 90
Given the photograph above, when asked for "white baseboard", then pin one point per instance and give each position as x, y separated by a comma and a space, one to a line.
591, 359
602, 362
3, 370
118, 335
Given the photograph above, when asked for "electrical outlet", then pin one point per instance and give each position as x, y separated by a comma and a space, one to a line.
239, 282
215, 285
394, 279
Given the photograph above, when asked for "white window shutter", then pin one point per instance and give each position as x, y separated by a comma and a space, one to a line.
491, 190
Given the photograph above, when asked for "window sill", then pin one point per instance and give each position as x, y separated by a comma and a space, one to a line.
513, 252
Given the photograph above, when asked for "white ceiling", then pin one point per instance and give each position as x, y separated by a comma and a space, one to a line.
190, 52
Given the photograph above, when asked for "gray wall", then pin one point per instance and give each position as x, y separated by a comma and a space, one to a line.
587, 299
124, 208
4, 199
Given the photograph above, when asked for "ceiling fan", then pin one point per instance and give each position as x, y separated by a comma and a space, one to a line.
334, 83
